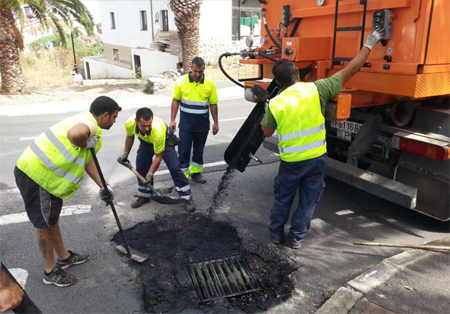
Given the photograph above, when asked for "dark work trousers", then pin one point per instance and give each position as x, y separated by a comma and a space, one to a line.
306, 177
197, 141
144, 161
27, 305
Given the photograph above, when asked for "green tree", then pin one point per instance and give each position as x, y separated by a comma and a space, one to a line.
56, 13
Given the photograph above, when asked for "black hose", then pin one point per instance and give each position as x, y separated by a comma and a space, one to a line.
270, 35
295, 26
227, 54
267, 57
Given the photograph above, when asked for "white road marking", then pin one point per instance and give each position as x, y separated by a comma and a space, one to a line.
233, 119
20, 274
213, 164
66, 211
27, 138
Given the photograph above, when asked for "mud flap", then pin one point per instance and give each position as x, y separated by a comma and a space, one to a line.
250, 136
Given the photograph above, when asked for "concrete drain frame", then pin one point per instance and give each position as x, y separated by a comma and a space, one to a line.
222, 278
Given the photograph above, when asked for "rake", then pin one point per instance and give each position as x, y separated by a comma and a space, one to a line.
124, 248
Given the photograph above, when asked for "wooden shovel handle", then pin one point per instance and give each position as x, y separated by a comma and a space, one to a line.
138, 175
422, 247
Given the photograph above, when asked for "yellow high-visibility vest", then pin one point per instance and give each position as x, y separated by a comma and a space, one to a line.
300, 123
54, 163
156, 136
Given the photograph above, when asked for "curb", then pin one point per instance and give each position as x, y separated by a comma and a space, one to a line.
347, 296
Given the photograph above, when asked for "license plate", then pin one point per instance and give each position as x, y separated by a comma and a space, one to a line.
345, 129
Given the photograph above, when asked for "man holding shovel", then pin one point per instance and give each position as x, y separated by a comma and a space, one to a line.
156, 139
52, 169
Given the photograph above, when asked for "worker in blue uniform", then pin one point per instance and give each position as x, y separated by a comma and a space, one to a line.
195, 95
156, 140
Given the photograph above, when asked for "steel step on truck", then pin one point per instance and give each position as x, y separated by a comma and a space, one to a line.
388, 131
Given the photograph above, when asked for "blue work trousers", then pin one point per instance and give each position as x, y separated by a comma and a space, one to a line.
306, 177
144, 161
197, 141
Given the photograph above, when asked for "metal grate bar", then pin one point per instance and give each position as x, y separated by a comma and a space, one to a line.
231, 276
202, 280
220, 278
246, 276
237, 274
251, 273
224, 278
216, 279
211, 285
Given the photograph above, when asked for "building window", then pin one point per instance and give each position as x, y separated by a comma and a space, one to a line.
246, 19
143, 20
116, 55
165, 20
113, 20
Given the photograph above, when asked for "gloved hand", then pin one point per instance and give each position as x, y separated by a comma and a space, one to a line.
148, 178
123, 157
374, 37
92, 141
107, 195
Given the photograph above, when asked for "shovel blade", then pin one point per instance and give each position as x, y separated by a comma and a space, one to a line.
135, 255
167, 200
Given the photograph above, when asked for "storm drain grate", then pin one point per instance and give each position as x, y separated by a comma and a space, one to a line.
219, 278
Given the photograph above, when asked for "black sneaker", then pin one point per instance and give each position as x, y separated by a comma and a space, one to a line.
74, 259
59, 278
139, 202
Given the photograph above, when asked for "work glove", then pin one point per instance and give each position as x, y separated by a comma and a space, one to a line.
149, 179
92, 141
123, 157
107, 195
374, 37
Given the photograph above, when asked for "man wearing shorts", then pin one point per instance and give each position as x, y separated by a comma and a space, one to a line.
52, 169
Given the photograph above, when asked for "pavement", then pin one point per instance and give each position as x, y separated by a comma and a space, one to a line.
398, 284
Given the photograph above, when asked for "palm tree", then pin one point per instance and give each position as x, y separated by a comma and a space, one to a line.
187, 15
58, 13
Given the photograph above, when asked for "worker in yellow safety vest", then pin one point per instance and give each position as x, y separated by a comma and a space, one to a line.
52, 169
297, 114
195, 95
158, 141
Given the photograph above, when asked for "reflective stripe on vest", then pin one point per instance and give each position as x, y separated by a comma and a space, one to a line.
50, 165
194, 107
300, 123
54, 163
63, 150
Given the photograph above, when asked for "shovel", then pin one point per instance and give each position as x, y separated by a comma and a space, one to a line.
157, 197
133, 254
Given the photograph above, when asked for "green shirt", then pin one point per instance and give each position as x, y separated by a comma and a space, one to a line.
327, 88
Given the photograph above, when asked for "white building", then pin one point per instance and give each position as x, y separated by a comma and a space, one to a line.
132, 28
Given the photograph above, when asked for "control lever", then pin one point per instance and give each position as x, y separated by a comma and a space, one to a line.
250, 155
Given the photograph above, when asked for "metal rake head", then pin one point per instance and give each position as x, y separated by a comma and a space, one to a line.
135, 254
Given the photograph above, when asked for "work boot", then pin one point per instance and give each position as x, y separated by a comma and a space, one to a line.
139, 202
198, 179
190, 205
59, 278
296, 245
73, 259
277, 239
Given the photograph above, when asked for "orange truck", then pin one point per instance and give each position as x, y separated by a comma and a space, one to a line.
388, 131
